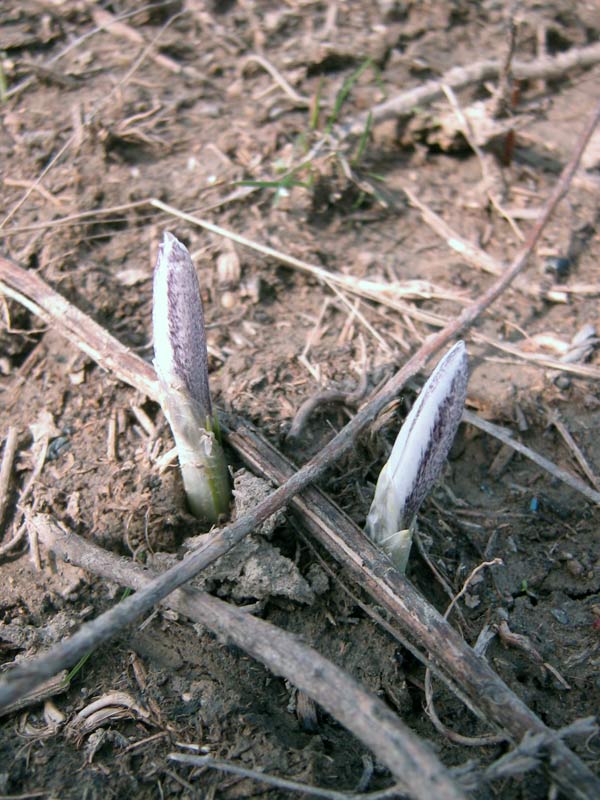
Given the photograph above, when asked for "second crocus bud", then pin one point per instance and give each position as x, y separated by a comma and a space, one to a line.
418, 456
181, 363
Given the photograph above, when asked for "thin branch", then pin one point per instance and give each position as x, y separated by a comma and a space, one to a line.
284, 784
16, 539
487, 162
6, 468
460, 77
281, 783
75, 219
390, 294
468, 741
298, 99
539, 360
501, 98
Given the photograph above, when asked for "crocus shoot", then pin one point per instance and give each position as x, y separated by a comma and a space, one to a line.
418, 456
181, 363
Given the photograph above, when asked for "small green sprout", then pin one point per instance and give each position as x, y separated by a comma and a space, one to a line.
344, 93
181, 363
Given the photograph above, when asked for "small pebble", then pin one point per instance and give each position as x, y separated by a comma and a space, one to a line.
562, 382
560, 615
228, 300
575, 567
57, 446
557, 266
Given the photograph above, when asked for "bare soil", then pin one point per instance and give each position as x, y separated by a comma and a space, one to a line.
117, 120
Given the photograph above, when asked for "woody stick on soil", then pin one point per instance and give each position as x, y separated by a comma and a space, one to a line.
501, 705
460, 77
409, 760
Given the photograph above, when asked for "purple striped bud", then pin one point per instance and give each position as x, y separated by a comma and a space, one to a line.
181, 358
418, 455
181, 363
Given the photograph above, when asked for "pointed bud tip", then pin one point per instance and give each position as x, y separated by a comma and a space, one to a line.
172, 253
457, 351
454, 365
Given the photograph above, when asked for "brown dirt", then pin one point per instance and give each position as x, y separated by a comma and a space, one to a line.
187, 138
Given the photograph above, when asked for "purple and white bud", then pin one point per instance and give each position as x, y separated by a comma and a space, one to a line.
181, 363
418, 456
180, 351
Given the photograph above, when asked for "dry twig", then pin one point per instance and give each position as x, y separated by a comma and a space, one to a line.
390, 294
460, 77
282, 783
583, 370
298, 99
8, 457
